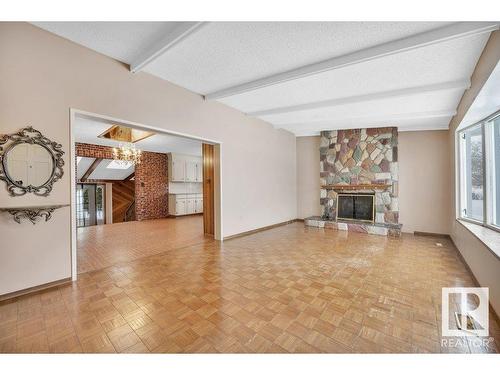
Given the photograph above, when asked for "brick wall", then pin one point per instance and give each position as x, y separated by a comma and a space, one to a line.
151, 180
151, 186
93, 151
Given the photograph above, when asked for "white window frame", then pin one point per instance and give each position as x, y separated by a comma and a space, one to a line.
488, 174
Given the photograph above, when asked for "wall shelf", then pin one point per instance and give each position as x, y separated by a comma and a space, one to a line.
32, 213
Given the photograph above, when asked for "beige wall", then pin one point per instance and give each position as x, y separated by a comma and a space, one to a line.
484, 266
423, 158
42, 76
424, 181
308, 177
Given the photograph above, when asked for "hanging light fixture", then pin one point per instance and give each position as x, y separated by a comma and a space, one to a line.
127, 153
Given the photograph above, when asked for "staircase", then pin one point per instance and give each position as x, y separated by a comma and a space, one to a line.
123, 201
130, 213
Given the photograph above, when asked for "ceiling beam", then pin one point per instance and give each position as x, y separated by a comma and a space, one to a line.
179, 33
327, 124
443, 34
411, 128
452, 85
91, 169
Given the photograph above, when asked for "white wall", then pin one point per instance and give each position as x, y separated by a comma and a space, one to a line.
42, 76
484, 266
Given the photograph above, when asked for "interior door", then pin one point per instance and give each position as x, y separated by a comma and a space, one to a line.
208, 189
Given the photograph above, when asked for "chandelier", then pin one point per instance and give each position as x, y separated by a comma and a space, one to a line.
127, 153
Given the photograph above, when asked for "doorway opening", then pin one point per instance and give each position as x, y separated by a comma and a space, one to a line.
139, 191
90, 206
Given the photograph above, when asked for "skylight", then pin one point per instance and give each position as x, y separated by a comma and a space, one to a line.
119, 164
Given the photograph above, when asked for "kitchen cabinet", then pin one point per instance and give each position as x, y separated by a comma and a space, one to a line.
190, 205
185, 204
191, 171
199, 205
180, 207
178, 170
185, 168
199, 171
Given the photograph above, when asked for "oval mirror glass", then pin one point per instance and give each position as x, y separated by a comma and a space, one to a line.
28, 164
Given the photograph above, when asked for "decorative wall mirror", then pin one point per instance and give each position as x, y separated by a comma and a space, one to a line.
30, 162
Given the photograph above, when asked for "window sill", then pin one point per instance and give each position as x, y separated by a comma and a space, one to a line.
489, 237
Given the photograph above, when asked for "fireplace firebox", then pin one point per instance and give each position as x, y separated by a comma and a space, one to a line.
356, 206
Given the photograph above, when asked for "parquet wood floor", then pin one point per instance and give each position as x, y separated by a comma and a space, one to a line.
289, 289
101, 246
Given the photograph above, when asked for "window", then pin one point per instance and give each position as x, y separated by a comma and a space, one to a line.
119, 164
472, 173
492, 131
479, 151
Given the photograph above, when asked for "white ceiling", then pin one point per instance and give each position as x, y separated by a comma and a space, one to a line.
82, 166
352, 74
87, 130
102, 172
123, 41
224, 54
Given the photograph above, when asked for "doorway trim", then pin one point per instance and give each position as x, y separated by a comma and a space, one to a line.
74, 113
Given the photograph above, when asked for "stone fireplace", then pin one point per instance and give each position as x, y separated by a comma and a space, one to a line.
359, 176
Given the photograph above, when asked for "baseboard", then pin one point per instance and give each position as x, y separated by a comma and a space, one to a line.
462, 259
172, 216
261, 229
430, 234
34, 289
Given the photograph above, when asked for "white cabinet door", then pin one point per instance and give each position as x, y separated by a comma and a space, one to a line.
199, 172
190, 206
190, 171
199, 206
178, 170
180, 207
